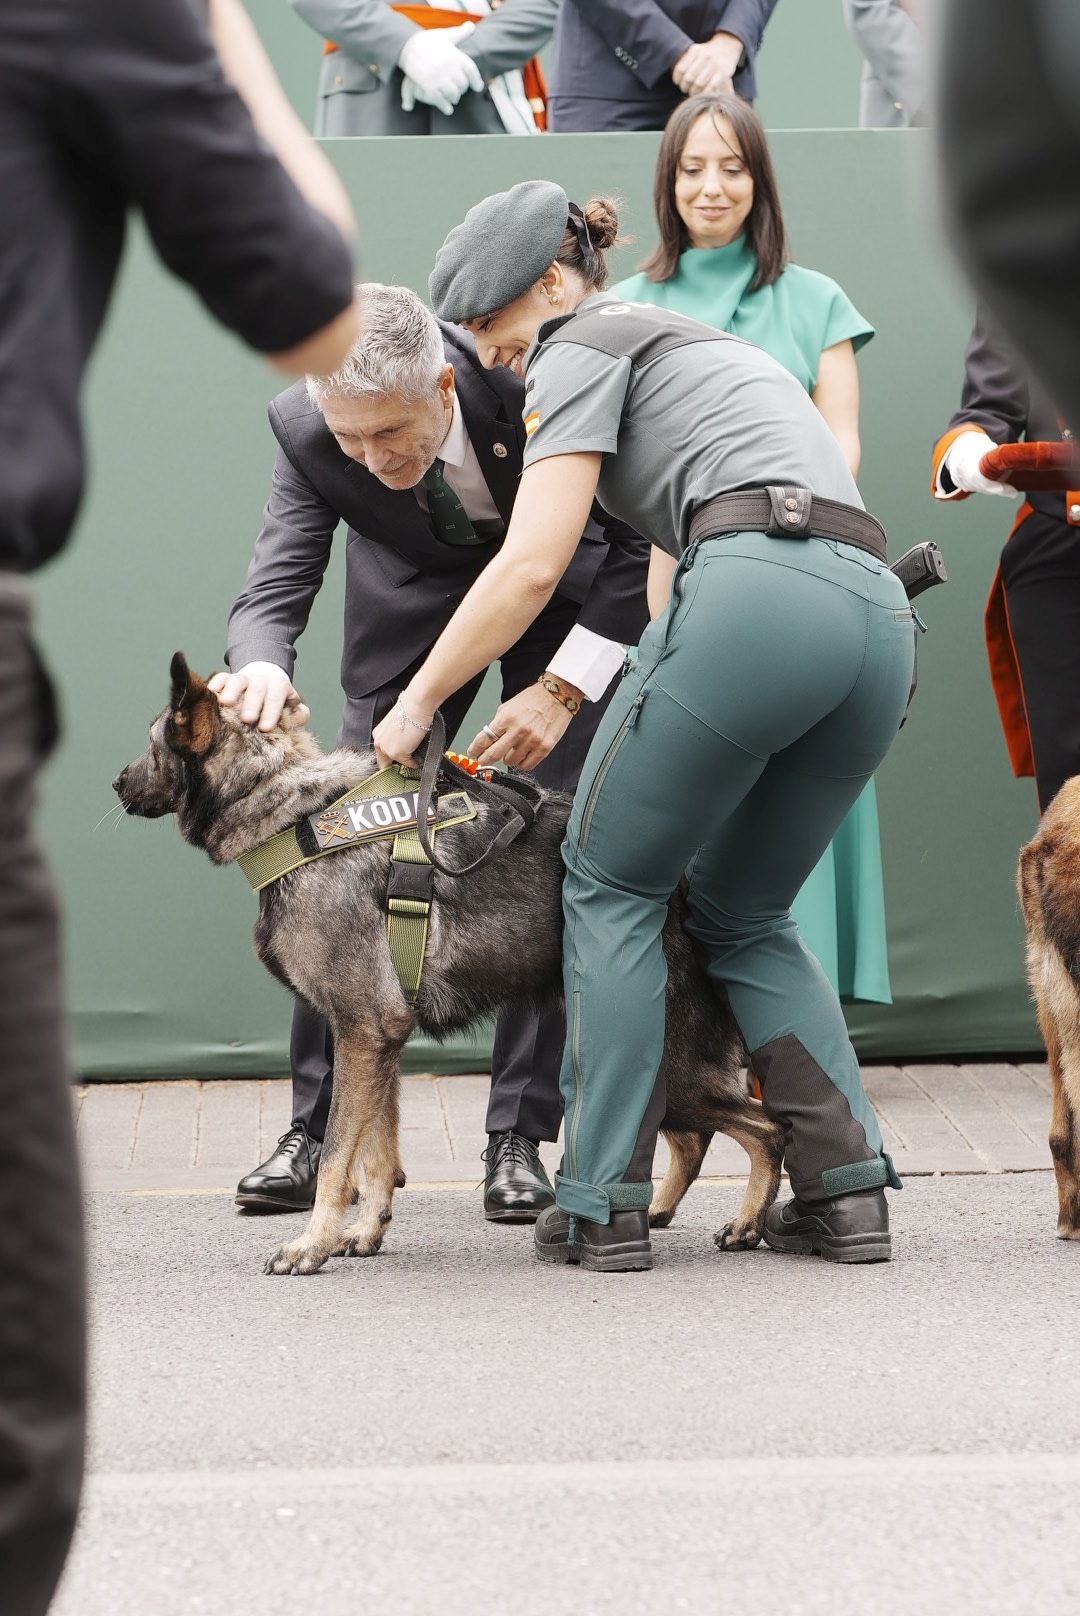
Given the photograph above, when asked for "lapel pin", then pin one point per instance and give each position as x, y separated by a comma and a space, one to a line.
500, 450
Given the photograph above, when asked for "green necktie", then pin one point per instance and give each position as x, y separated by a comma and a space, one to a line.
447, 512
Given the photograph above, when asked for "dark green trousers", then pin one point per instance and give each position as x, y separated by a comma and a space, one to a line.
760, 705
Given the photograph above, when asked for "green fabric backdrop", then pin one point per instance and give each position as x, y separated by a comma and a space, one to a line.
161, 975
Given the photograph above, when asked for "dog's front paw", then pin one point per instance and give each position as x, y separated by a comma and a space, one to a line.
296, 1258
362, 1241
660, 1220
738, 1235
364, 1246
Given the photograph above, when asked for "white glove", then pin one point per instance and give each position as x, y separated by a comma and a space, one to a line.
262, 691
962, 463
436, 72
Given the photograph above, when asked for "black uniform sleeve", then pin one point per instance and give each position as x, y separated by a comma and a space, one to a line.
161, 120
995, 392
616, 605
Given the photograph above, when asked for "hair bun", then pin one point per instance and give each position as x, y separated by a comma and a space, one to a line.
603, 222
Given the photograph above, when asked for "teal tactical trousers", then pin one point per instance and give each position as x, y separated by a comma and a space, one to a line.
760, 704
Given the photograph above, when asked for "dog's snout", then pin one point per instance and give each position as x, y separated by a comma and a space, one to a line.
118, 783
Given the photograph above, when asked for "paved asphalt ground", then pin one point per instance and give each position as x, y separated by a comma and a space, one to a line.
451, 1427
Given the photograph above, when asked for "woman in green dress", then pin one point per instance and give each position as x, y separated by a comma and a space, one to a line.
722, 259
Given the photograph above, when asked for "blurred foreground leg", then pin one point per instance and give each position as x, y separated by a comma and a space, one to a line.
42, 1310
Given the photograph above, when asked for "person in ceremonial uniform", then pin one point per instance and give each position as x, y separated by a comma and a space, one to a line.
723, 259
466, 67
765, 694
1033, 613
893, 89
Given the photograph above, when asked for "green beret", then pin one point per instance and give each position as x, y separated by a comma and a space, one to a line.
501, 248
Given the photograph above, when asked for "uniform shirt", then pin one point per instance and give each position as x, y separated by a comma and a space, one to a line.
585, 659
707, 416
107, 105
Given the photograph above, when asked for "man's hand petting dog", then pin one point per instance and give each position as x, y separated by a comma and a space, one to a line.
262, 691
523, 731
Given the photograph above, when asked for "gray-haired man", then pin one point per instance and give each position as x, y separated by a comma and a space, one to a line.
418, 450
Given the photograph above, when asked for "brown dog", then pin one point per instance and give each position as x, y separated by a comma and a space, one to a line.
495, 937
1049, 883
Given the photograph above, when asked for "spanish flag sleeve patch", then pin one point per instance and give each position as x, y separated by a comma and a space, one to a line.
532, 421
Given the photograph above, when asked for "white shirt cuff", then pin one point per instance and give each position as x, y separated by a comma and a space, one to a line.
587, 660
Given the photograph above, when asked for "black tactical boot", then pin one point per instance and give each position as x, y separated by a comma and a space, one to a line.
286, 1180
608, 1248
847, 1229
516, 1187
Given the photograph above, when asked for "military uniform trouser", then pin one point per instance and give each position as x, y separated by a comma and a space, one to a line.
760, 704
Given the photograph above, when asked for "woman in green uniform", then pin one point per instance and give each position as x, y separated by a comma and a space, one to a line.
722, 258
763, 698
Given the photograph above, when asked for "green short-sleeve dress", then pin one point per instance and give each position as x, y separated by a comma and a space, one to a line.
840, 910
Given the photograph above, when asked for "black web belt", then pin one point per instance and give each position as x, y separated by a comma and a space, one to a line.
785, 511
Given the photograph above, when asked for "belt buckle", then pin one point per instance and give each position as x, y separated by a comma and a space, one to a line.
790, 508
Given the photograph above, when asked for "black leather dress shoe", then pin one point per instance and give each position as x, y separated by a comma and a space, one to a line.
604, 1248
516, 1187
847, 1229
286, 1180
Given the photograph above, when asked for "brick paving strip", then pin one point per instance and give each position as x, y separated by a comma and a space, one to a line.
198, 1137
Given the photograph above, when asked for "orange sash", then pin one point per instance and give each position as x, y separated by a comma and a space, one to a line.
532, 74
1005, 670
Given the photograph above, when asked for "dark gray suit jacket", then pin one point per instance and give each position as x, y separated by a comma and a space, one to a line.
613, 58
402, 582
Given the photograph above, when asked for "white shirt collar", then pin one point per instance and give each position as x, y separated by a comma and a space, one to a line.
455, 445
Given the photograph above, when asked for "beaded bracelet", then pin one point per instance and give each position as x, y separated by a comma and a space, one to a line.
554, 688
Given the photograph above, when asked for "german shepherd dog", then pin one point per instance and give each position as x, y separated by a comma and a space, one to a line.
1049, 883
495, 937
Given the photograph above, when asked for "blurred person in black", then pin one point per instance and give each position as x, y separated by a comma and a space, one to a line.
105, 106
1009, 120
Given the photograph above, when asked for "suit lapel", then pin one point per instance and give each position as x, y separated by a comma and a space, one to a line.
496, 439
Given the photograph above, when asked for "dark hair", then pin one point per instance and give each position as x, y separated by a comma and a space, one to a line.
589, 232
765, 225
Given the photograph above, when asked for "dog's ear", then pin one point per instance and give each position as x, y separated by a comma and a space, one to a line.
179, 673
193, 708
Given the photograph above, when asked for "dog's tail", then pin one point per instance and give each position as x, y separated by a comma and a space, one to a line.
1048, 881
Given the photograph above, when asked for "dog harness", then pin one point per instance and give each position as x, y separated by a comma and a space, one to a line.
382, 806
401, 802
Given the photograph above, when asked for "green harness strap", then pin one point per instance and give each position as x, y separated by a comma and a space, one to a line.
407, 917
411, 874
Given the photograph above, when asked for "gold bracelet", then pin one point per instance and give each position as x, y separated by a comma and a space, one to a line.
554, 688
